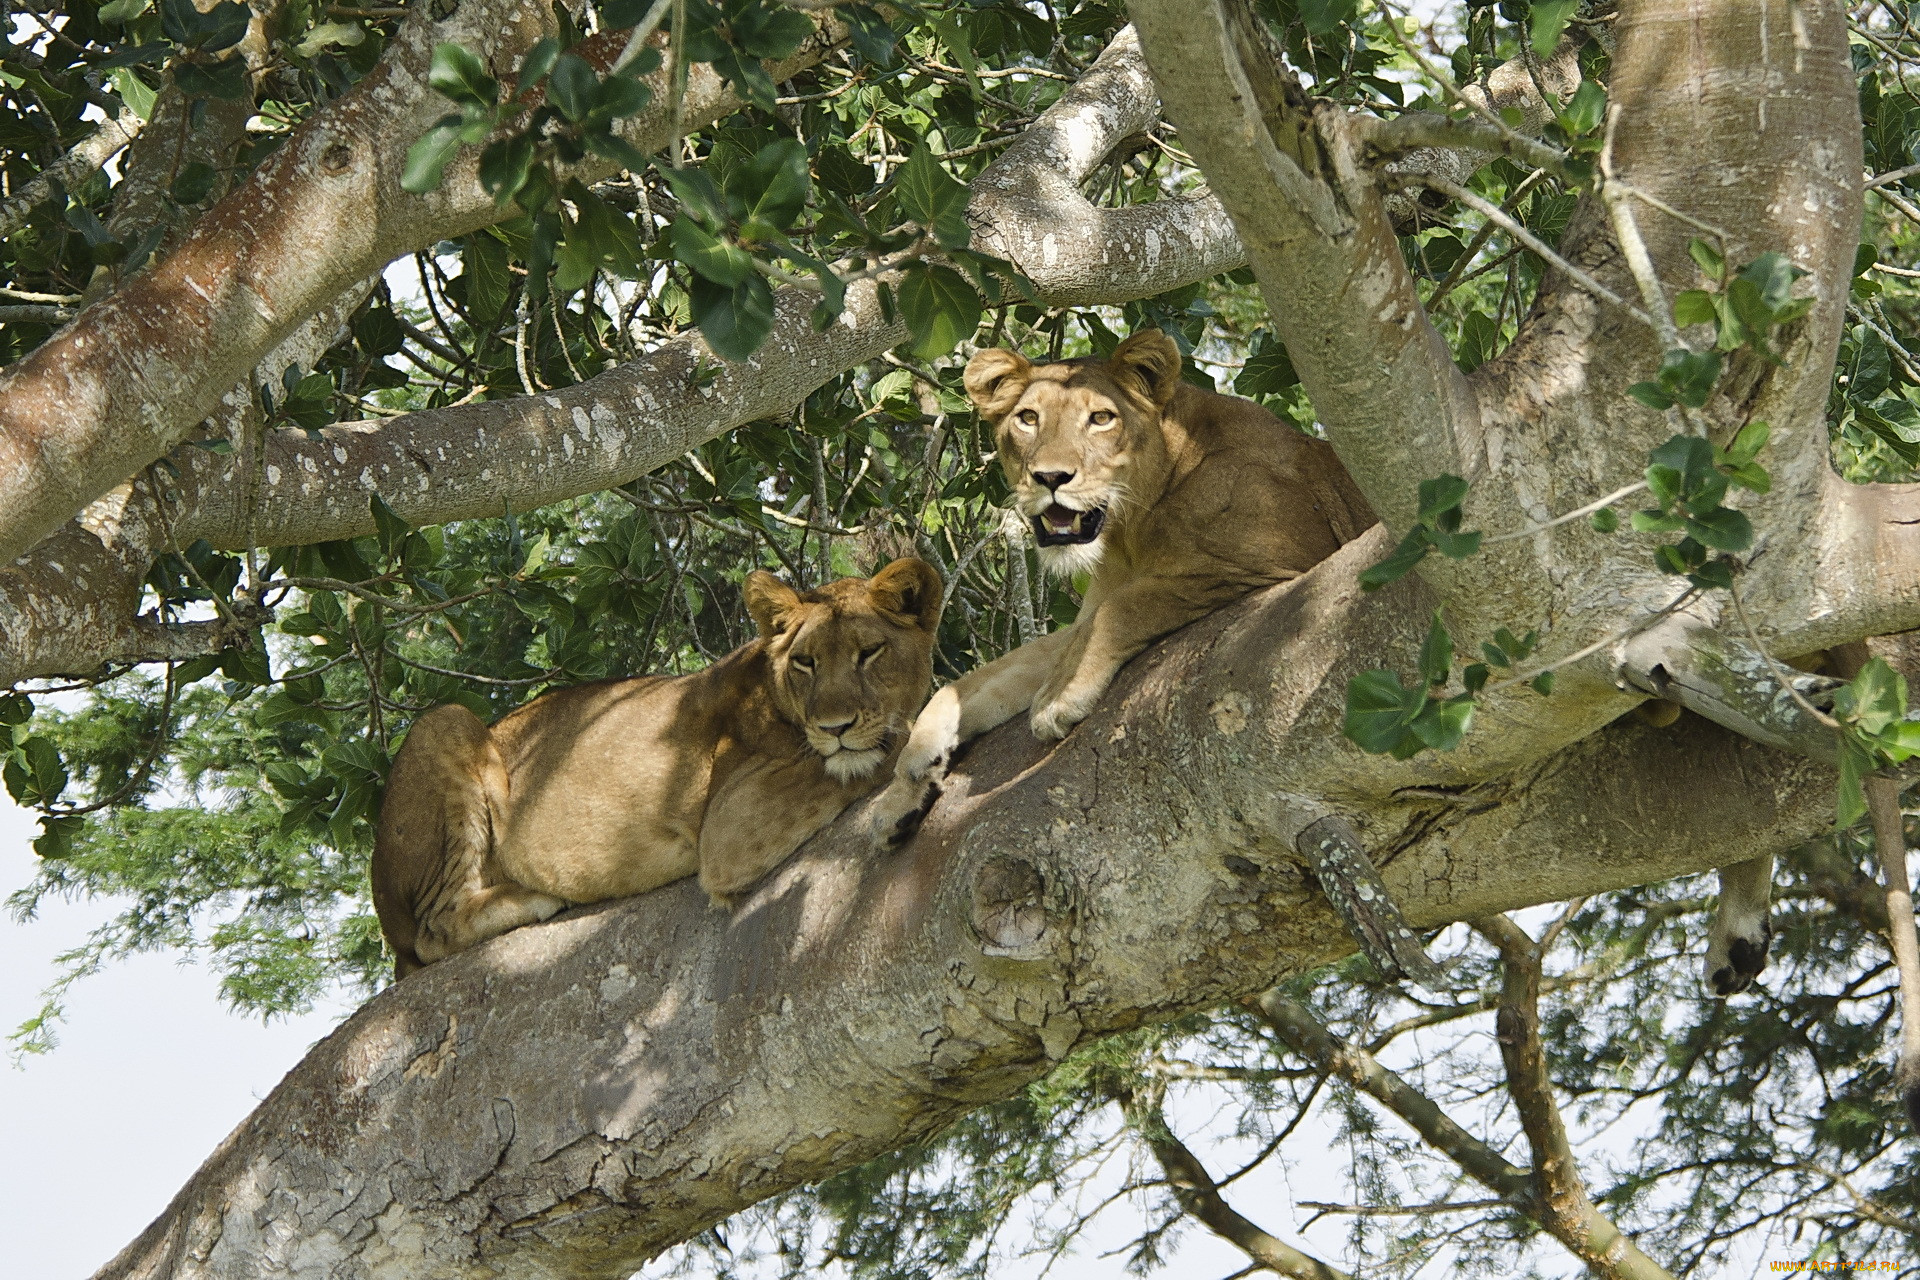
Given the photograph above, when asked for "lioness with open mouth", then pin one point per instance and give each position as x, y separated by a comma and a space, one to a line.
1177, 499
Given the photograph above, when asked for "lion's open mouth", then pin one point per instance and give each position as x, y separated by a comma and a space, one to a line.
1060, 526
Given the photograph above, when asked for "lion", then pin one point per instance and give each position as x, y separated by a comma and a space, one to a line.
1178, 500
620, 786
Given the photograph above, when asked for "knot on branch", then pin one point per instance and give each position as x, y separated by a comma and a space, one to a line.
1008, 915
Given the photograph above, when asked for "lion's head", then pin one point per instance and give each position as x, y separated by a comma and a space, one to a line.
851, 661
1080, 441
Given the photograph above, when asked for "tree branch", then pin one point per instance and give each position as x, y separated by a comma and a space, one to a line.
133, 375
1319, 240
1559, 1190
420, 1135
82, 162
1200, 1196
1029, 210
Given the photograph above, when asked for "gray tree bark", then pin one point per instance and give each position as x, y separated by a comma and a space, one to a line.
572, 1098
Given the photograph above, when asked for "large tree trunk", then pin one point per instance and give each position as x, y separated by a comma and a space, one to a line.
574, 1097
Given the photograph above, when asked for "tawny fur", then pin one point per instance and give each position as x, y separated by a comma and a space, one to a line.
618, 787
1204, 498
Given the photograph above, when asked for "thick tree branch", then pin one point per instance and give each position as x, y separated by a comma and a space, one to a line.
1029, 209
1139, 869
134, 374
1319, 239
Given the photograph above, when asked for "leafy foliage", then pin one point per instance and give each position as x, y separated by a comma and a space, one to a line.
225, 801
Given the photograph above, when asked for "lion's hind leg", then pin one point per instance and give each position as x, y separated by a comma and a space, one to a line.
436, 886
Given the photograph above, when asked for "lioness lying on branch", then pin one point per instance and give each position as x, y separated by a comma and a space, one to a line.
1179, 501
618, 787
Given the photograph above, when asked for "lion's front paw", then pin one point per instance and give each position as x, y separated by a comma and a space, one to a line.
1053, 718
901, 808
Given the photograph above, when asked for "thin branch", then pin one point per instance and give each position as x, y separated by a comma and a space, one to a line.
72, 169
1559, 1191
1200, 1196
1487, 209
1575, 514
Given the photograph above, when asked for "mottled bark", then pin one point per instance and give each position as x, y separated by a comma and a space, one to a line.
853, 1002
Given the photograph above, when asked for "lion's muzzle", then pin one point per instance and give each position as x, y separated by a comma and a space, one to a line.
1062, 526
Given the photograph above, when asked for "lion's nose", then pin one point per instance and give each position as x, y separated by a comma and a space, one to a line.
1052, 479
835, 729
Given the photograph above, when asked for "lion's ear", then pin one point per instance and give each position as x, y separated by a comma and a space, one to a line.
770, 601
909, 590
995, 378
1148, 360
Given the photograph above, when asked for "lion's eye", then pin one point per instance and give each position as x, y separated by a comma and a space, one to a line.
802, 662
869, 654
1028, 419
1100, 418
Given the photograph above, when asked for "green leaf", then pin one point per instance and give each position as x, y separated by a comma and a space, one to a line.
1873, 699
1454, 546
1688, 376
1605, 520
573, 86
1441, 725
930, 196
1439, 496
773, 186
1694, 306
35, 773
1650, 395
378, 333
1747, 444
504, 166
1723, 529
1436, 653
539, 61
940, 307
225, 80
1772, 274
1474, 677
1549, 20
1588, 108
391, 529
1322, 16
1855, 763
714, 258
1379, 710
1268, 371
769, 30
1707, 257
1657, 522
736, 320
488, 274
1399, 562
427, 159
15, 708
459, 75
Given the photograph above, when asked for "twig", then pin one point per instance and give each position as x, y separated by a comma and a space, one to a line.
1587, 510
1625, 633
1487, 209
1627, 232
